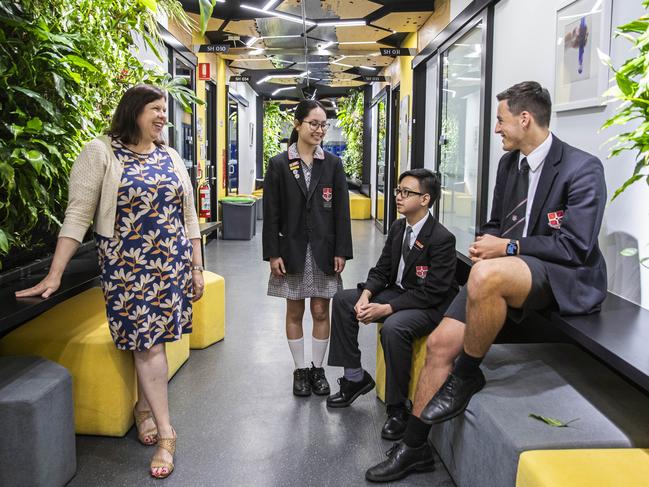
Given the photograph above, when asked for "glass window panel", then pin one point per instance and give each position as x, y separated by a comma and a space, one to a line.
233, 146
381, 145
183, 126
430, 144
460, 136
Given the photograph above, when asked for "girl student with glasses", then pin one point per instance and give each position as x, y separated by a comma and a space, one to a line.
306, 238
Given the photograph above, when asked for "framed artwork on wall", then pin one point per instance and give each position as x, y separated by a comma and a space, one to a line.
582, 28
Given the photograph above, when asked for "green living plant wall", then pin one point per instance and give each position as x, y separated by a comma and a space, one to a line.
350, 118
276, 121
632, 89
64, 65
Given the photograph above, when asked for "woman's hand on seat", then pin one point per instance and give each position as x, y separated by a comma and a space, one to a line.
45, 288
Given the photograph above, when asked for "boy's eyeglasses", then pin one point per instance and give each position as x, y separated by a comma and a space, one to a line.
406, 193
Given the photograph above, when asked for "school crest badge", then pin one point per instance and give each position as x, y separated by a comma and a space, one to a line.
554, 219
421, 271
327, 194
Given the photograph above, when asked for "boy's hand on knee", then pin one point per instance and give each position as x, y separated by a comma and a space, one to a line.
373, 312
362, 302
488, 247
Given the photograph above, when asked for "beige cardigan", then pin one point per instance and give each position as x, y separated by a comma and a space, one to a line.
94, 184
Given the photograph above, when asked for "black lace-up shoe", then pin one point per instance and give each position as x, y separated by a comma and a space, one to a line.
452, 398
349, 391
301, 386
402, 461
395, 426
318, 381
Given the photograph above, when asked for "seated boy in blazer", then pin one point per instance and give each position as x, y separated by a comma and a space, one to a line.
408, 289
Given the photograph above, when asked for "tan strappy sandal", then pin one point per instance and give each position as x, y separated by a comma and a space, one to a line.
168, 444
141, 417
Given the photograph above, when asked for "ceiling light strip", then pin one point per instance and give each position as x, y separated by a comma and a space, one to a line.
340, 23
291, 36
282, 76
270, 4
281, 89
290, 18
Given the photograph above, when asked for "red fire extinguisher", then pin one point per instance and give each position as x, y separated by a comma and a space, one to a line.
205, 210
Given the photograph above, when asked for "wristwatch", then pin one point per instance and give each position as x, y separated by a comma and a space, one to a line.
512, 248
198, 268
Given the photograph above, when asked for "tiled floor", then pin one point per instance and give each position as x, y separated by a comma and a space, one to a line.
238, 423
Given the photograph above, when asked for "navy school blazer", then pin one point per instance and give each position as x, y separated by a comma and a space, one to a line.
564, 223
295, 216
429, 271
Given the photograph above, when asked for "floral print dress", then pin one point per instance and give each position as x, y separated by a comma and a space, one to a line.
146, 265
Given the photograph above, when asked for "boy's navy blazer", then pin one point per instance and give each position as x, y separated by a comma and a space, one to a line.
429, 271
294, 216
564, 223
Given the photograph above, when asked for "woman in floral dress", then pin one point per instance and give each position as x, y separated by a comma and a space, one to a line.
139, 196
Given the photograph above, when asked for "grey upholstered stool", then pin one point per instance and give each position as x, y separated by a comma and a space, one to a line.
482, 446
37, 443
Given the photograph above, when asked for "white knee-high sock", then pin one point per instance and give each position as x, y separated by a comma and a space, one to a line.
297, 350
318, 350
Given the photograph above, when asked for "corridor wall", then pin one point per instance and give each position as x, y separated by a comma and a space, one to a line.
524, 49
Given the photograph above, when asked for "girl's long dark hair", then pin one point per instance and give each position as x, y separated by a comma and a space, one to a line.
301, 112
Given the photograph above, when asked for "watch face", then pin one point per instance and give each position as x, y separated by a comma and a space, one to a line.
511, 248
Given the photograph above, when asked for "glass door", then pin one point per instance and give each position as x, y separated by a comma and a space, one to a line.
210, 142
461, 141
431, 115
380, 154
182, 124
233, 146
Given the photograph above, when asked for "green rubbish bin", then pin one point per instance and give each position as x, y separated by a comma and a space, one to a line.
238, 217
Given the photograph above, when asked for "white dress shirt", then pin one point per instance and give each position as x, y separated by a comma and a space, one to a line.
535, 159
416, 228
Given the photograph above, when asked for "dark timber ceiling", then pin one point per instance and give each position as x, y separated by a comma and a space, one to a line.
282, 50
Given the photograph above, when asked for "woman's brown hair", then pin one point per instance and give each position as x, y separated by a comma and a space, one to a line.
124, 124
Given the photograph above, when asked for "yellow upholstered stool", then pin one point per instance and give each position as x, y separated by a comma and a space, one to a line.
359, 206
75, 334
209, 313
418, 359
621, 467
177, 354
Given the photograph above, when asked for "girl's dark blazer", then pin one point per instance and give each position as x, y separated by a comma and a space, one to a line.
294, 216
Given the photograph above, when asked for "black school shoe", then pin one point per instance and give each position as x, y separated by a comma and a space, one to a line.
402, 461
349, 391
395, 426
452, 398
318, 381
301, 385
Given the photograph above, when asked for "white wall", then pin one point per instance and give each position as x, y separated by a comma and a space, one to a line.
247, 145
524, 49
458, 5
